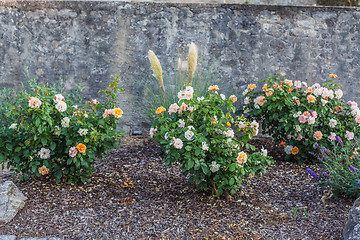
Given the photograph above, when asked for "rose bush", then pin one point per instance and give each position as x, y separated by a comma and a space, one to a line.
300, 115
50, 137
197, 133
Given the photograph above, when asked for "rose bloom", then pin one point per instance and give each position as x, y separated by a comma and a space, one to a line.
260, 100
332, 136
251, 87
318, 135
73, 151
254, 124
222, 96
65, 122
118, 112
181, 123
241, 158
83, 131
314, 114
213, 88
357, 119
189, 134
288, 82
152, 132
182, 108
338, 93
214, 167
333, 76
13, 126
288, 149
233, 98
107, 113
323, 101
229, 133
160, 110
349, 135
34, 102
241, 125
297, 84
189, 89
302, 119
332, 123
311, 98
61, 106
44, 153
43, 170
81, 147
204, 146
295, 150
247, 100
177, 143
181, 95
188, 95
173, 108
265, 87
59, 98
311, 120
309, 90
270, 92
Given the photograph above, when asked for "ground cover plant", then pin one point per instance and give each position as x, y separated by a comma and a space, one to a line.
339, 167
299, 115
51, 138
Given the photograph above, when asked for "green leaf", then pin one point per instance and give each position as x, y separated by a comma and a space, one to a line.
86, 140
52, 145
37, 122
17, 149
232, 181
188, 148
190, 164
232, 167
43, 141
9, 147
197, 151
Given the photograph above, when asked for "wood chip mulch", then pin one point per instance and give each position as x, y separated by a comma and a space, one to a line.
133, 195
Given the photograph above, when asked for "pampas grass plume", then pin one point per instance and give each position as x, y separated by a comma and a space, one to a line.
156, 67
192, 61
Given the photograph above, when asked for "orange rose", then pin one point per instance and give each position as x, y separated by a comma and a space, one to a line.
213, 88
242, 158
333, 76
295, 150
290, 89
311, 98
228, 124
118, 112
251, 87
43, 170
81, 147
160, 110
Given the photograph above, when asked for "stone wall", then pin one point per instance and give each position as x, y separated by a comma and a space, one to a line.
90, 41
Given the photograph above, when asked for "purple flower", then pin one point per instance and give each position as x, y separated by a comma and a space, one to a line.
354, 169
320, 165
316, 145
312, 173
339, 140
325, 150
312, 153
359, 183
324, 174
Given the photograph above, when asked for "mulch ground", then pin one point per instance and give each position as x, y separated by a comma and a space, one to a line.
133, 195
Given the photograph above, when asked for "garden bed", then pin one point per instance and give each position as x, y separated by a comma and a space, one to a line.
134, 195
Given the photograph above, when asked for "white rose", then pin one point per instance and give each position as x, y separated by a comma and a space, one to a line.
61, 106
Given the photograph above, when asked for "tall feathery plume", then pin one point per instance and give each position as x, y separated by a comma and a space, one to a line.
192, 61
156, 67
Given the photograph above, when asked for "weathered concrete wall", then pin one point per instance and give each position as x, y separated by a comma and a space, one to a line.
90, 41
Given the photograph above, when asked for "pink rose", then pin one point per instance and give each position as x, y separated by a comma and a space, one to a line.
73, 151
